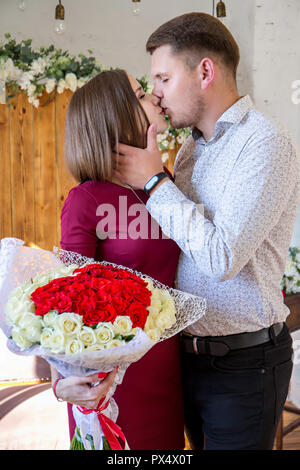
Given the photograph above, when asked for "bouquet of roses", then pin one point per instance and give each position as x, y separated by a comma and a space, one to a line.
85, 316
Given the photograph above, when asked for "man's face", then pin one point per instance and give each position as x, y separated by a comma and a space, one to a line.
178, 88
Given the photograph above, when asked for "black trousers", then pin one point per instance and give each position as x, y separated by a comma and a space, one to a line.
235, 402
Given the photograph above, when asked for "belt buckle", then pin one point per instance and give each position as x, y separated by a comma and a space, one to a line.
195, 348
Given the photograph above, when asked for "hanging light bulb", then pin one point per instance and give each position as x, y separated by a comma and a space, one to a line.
22, 5
221, 9
136, 7
60, 24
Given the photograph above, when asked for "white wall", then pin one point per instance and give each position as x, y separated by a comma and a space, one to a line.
267, 31
276, 66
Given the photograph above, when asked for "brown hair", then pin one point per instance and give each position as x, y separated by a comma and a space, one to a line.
101, 114
195, 35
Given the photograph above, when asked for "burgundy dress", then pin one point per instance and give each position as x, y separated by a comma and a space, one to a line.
150, 396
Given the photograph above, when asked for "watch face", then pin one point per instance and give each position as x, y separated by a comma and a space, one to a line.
151, 182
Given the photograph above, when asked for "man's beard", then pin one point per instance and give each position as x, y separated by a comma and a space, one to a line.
192, 117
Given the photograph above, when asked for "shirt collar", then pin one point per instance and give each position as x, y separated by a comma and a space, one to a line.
232, 115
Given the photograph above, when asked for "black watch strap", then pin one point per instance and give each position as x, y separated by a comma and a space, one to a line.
154, 181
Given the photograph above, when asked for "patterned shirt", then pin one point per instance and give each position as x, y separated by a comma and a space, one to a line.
231, 210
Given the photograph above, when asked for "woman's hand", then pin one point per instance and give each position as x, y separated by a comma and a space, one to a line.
80, 391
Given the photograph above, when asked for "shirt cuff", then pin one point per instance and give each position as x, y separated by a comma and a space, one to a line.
164, 194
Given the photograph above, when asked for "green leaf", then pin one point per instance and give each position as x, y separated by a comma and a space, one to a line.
129, 338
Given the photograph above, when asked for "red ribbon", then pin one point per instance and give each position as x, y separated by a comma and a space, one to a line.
110, 429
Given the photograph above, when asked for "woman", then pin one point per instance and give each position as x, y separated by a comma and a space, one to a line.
99, 220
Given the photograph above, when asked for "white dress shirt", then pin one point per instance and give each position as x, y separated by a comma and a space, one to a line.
232, 210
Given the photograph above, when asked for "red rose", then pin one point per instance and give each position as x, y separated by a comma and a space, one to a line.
107, 314
138, 315
99, 293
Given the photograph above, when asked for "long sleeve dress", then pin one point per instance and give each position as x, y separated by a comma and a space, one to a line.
150, 397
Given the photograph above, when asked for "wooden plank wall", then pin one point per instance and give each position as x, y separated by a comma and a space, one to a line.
34, 179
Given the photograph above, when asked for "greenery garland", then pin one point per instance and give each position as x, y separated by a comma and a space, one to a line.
35, 71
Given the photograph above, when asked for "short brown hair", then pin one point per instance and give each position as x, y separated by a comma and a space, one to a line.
101, 114
195, 35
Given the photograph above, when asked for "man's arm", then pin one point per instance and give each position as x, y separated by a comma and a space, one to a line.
254, 198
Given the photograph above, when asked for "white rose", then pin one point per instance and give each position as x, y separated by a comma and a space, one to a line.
123, 325
45, 337
17, 293
69, 323
20, 339
71, 81
114, 343
150, 285
149, 323
154, 310
87, 335
74, 346
156, 303
13, 310
50, 318
50, 85
57, 341
29, 288
104, 333
154, 334
32, 326
164, 320
164, 295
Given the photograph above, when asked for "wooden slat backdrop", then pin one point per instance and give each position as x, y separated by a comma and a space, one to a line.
34, 179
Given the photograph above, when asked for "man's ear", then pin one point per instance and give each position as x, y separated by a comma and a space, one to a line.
206, 72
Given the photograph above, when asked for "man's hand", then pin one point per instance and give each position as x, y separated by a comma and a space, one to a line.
136, 166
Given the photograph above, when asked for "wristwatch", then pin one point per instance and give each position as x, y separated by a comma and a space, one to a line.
154, 181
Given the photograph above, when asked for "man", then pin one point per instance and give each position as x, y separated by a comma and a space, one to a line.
243, 173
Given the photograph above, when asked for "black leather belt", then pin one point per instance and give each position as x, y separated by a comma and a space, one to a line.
221, 345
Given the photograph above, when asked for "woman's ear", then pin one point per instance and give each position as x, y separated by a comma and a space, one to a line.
206, 72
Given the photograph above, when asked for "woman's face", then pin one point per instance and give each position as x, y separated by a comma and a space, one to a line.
150, 104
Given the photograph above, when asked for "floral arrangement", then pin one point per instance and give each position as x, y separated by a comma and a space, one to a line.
72, 309
290, 283
47, 69
83, 317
